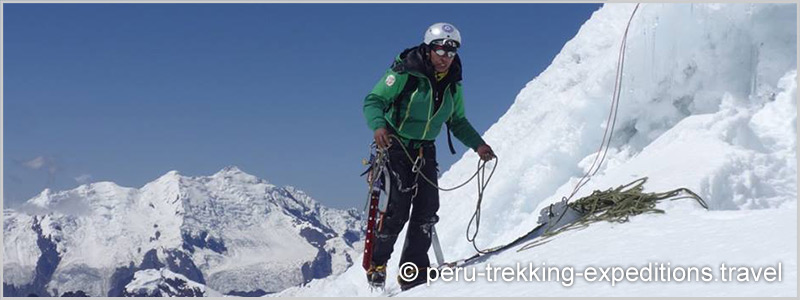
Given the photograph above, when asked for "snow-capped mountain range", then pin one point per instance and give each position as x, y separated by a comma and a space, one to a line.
229, 233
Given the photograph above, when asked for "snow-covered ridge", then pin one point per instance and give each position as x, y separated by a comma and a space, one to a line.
708, 102
231, 231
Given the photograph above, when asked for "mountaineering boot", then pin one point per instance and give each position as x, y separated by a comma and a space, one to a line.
376, 276
406, 284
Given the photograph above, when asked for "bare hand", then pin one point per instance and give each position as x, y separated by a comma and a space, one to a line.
382, 138
485, 152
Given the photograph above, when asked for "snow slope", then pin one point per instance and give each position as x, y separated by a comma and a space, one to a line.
708, 102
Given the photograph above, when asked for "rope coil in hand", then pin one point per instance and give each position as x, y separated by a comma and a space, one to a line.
417, 163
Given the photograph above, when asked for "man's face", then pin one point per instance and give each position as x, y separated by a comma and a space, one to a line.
442, 57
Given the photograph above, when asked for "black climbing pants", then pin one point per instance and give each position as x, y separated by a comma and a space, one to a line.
422, 207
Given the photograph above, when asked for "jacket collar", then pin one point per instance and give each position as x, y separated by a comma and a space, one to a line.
416, 60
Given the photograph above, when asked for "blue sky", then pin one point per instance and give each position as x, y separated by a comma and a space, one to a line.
128, 92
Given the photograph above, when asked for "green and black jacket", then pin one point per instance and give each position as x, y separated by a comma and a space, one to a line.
419, 114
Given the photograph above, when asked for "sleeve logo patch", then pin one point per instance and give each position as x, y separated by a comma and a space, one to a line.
390, 80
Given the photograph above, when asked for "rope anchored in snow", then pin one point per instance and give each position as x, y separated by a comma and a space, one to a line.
617, 206
612, 114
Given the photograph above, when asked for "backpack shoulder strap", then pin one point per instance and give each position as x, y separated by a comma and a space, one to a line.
453, 92
410, 87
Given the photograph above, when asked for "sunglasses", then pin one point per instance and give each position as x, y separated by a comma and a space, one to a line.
442, 51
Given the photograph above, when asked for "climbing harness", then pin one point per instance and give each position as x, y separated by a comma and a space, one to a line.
379, 179
480, 174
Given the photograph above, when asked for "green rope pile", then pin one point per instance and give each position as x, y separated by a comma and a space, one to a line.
617, 206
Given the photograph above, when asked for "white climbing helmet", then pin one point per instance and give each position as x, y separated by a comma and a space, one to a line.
443, 31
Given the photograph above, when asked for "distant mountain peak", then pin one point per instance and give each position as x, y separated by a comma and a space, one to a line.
234, 173
231, 170
172, 175
42, 199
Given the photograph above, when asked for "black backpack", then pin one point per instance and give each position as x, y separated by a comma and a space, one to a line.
410, 87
